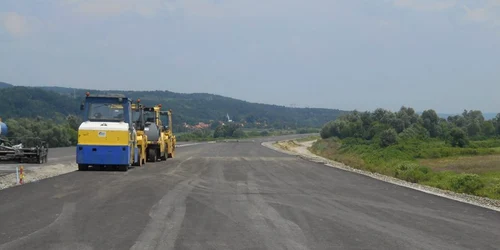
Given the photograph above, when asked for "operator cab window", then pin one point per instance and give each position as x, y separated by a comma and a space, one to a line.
106, 112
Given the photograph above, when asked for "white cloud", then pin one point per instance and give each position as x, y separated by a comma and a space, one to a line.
14, 23
478, 15
145, 8
485, 11
426, 5
199, 8
490, 13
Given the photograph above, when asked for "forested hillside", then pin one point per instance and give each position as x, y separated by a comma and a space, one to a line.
29, 102
53, 112
4, 85
202, 107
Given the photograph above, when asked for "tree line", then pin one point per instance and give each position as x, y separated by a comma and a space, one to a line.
388, 127
56, 134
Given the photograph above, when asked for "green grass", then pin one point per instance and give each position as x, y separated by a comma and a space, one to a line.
473, 170
309, 138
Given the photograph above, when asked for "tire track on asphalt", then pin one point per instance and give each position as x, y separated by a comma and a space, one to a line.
62, 226
168, 214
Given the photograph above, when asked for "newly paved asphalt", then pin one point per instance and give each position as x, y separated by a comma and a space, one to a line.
57, 156
236, 195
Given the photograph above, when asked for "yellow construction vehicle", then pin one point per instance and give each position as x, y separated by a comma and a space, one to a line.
168, 134
161, 141
154, 131
139, 124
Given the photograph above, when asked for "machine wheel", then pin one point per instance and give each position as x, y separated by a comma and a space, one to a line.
164, 157
83, 167
171, 155
140, 161
123, 168
152, 155
138, 164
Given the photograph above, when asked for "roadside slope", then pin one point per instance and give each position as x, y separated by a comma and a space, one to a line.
293, 147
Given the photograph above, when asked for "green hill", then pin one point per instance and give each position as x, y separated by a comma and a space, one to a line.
30, 102
5, 85
58, 102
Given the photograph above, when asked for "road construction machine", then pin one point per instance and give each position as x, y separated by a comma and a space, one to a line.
139, 125
22, 149
161, 141
107, 136
168, 134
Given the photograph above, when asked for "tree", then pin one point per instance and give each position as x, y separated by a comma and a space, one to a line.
73, 121
457, 120
488, 128
497, 123
415, 131
474, 128
219, 132
388, 137
458, 137
214, 125
239, 133
430, 120
250, 118
473, 115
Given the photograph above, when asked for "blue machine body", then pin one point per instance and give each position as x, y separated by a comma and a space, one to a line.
3, 129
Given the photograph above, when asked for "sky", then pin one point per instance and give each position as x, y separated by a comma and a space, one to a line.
351, 54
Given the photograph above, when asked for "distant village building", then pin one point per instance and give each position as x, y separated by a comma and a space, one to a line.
200, 125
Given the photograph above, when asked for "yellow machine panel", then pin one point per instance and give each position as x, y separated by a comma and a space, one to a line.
104, 138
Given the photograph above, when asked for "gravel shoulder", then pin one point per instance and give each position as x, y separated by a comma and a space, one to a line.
36, 174
300, 149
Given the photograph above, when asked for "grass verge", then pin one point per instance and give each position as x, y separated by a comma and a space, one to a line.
473, 171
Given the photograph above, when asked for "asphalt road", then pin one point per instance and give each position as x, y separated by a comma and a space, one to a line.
236, 196
59, 156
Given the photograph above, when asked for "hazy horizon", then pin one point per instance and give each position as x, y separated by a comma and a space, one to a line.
346, 55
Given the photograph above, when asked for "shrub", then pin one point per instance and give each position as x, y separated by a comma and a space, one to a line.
307, 131
466, 183
239, 133
495, 189
458, 137
388, 137
412, 172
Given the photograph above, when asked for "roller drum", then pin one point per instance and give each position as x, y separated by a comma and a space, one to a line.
152, 131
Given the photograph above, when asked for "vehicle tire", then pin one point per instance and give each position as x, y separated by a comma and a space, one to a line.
171, 155
164, 156
138, 163
123, 168
152, 155
83, 167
